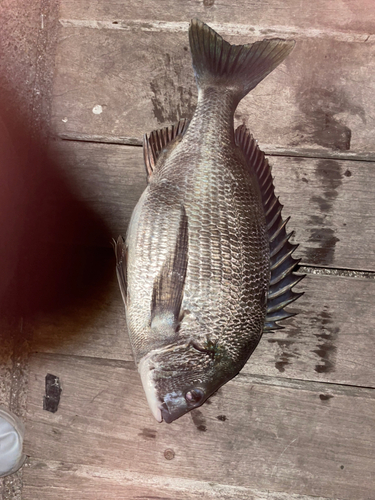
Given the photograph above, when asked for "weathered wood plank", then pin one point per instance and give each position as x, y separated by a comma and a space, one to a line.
349, 16
331, 339
127, 82
6, 359
56, 480
298, 438
331, 202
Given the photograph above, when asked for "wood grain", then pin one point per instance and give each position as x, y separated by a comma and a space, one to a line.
349, 16
257, 432
8, 327
320, 98
82, 482
330, 340
331, 202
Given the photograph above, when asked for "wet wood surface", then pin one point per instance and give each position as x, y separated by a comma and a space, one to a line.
298, 422
94, 483
350, 16
312, 101
324, 342
257, 432
330, 201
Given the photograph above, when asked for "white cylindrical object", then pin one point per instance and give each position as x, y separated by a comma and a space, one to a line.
11, 442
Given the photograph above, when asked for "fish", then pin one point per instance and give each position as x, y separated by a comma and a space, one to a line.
206, 266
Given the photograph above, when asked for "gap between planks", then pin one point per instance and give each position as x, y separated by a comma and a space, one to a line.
223, 28
267, 149
328, 271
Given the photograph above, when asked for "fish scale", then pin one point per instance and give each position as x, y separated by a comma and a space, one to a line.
194, 270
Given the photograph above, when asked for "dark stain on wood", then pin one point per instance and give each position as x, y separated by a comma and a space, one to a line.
328, 172
348, 173
148, 433
171, 101
327, 240
330, 176
326, 347
325, 397
286, 356
222, 418
199, 420
284, 360
321, 127
288, 350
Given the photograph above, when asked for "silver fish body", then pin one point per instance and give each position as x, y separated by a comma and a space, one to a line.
195, 267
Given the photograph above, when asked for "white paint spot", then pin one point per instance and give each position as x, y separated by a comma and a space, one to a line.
97, 110
65, 119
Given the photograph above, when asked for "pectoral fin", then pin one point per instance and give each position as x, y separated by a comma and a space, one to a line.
121, 251
168, 287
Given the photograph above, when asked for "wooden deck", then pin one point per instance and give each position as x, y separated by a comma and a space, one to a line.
88, 79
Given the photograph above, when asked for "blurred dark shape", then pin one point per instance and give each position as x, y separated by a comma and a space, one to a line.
51, 400
51, 240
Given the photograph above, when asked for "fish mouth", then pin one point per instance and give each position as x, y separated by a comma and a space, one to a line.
166, 416
173, 407
174, 404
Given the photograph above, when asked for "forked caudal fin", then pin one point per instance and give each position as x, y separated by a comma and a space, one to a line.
242, 67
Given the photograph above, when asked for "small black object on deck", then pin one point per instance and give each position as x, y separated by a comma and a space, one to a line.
53, 391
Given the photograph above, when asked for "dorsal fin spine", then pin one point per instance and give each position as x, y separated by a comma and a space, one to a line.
279, 230
158, 140
272, 205
281, 244
277, 262
277, 291
275, 217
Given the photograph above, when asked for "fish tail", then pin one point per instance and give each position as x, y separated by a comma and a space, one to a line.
241, 67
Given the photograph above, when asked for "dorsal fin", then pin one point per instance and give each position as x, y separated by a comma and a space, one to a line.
158, 140
282, 263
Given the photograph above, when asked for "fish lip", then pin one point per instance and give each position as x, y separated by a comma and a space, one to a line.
166, 416
148, 383
170, 417
174, 406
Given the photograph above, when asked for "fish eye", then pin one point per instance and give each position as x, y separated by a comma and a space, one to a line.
194, 396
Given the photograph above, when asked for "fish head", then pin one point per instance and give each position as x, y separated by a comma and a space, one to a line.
179, 378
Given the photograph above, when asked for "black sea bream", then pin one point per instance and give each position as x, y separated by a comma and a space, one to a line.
206, 266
